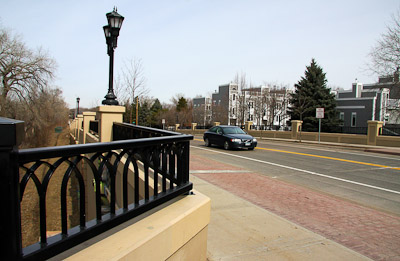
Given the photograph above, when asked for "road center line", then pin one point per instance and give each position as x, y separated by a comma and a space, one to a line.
300, 170
330, 158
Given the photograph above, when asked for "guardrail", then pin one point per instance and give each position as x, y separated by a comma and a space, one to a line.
164, 159
94, 127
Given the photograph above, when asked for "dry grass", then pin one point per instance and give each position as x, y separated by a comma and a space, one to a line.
30, 202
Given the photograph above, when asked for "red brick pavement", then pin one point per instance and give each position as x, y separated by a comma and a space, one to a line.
370, 232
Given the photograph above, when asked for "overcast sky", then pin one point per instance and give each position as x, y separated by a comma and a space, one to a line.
193, 46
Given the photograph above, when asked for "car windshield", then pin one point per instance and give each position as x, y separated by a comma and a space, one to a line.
234, 130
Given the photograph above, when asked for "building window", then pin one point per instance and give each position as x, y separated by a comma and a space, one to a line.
233, 97
341, 117
353, 119
233, 111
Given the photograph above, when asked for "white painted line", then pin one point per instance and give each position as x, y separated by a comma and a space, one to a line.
301, 170
218, 171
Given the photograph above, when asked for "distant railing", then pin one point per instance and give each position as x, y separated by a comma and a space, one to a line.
202, 127
390, 131
350, 130
94, 127
163, 157
123, 131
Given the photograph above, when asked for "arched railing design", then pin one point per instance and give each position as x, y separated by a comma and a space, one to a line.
157, 164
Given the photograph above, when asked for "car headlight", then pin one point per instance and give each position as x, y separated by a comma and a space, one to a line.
254, 140
236, 140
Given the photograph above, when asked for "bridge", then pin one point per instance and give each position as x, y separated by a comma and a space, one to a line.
131, 181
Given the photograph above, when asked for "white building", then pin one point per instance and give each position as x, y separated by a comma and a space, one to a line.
265, 106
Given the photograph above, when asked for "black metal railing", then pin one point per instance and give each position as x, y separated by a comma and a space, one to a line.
390, 131
159, 167
349, 130
94, 127
123, 131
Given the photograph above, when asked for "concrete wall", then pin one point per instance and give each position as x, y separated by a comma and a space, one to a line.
388, 141
176, 231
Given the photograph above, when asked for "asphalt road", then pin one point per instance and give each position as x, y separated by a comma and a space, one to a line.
369, 179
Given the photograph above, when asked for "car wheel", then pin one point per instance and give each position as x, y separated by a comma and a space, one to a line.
251, 148
226, 145
207, 143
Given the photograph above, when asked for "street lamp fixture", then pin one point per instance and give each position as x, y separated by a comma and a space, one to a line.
77, 106
111, 32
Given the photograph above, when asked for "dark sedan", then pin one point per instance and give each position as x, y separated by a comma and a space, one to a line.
230, 137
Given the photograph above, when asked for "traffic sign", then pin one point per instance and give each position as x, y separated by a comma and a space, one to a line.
319, 113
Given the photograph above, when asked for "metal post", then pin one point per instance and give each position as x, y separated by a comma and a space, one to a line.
11, 135
110, 97
319, 130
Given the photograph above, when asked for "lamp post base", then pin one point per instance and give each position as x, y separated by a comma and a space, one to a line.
110, 99
109, 102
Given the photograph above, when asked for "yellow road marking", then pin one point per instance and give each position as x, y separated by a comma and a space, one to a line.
330, 158
325, 157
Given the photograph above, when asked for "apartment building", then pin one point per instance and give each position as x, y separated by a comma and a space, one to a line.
265, 106
361, 104
225, 104
202, 113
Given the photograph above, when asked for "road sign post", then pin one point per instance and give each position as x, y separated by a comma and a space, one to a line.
319, 114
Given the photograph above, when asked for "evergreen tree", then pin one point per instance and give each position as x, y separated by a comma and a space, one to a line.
310, 93
144, 114
155, 111
181, 105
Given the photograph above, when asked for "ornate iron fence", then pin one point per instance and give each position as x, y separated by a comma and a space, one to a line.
164, 159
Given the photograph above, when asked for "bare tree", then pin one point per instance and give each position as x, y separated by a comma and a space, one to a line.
199, 114
385, 61
41, 113
241, 81
385, 55
120, 90
134, 82
183, 109
22, 71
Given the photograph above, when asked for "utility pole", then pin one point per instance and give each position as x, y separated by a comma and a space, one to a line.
137, 109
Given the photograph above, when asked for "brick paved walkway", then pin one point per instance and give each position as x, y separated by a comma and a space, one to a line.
370, 232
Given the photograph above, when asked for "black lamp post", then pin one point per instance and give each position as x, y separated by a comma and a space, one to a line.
77, 106
111, 32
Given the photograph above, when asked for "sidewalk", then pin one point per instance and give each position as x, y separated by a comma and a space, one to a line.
240, 230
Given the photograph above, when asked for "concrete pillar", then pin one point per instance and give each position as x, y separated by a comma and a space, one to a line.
76, 128
107, 115
217, 123
373, 131
87, 117
194, 125
296, 125
177, 125
72, 126
247, 126
79, 120
12, 134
